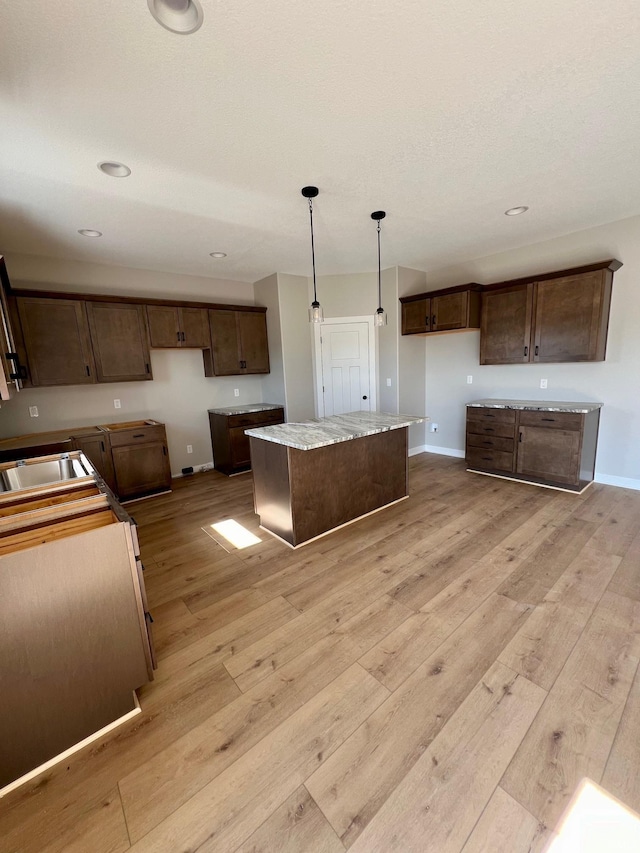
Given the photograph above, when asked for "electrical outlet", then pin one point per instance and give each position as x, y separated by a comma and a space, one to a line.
543, 383
33, 411
469, 380
189, 448
236, 392
433, 427
388, 383
117, 404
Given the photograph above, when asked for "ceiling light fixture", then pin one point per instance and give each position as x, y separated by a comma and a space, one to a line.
315, 312
177, 16
114, 169
380, 318
217, 254
89, 232
516, 211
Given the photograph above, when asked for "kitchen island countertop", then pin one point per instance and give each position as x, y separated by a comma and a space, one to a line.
321, 432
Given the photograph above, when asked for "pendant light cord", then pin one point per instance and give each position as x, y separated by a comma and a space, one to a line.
379, 273
313, 250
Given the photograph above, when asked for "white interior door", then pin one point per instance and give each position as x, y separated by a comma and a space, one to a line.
346, 368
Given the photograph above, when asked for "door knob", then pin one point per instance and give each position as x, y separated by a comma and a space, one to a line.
364, 397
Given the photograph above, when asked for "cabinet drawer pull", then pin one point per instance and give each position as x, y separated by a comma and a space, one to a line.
487, 459
550, 420
489, 429
536, 350
526, 351
488, 443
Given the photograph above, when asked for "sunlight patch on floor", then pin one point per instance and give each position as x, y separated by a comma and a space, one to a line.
235, 534
596, 822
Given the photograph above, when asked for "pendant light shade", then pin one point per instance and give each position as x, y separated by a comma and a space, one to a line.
315, 311
380, 317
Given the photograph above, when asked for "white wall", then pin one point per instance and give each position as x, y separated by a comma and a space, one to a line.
297, 343
179, 394
82, 277
266, 294
411, 360
615, 382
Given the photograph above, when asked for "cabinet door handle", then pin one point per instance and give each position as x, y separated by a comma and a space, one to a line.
536, 350
520, 436
147, 368
164, 449
427, 322
102, 445
433, 321
182, 336
526, 351
88, 371
178, 336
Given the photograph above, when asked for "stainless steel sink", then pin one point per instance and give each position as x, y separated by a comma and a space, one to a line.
26, 476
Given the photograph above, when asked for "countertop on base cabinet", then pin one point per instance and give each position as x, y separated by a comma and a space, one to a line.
230, 445
547, 443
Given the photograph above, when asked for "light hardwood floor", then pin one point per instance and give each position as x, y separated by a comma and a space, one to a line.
437, 677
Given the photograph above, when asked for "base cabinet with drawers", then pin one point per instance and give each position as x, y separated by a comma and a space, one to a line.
231, 447
551, 444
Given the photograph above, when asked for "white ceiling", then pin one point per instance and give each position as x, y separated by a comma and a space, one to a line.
443, 113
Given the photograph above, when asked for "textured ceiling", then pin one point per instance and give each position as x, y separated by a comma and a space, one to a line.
442, 113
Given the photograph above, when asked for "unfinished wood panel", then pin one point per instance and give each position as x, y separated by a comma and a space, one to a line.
572, 735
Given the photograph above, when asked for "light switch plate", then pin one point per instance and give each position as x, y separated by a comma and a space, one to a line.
469, 380
236, 392
189, 448
388, 383
543, 383
117, 404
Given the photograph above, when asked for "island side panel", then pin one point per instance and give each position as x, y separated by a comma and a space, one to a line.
338, 483
271, 489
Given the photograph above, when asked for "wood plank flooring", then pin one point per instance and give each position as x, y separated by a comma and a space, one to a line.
437, 677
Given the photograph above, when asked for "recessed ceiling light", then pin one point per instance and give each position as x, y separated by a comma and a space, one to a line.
218, 254
114, 169
516, 211
178, 16
89, 232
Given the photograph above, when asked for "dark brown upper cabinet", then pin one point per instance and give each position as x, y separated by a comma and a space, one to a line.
56, 339
451, 309
120, 341
173, 327
555, 317
505, 330
238, 343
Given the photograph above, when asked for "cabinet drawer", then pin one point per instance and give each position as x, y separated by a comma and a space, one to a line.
492, 460
499, 416
490, 442
141, 435
552, 420
490, 428
253, 419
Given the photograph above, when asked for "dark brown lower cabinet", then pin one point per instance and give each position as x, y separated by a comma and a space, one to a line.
97, 449
231, 450
545, 448
140, 458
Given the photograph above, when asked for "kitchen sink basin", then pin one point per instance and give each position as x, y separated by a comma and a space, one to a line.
26, 476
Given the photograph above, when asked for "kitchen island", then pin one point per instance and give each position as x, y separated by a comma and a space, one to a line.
311, 478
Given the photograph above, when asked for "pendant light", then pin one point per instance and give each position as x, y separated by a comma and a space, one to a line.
315, 312
380, 318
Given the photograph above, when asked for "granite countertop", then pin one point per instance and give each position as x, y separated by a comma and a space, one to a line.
247, 409
320, 432
538, 405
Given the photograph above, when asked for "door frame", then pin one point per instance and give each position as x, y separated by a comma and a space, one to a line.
317, 359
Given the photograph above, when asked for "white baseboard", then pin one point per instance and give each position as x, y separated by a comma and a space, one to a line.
621, 482
444, 451
421, 448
